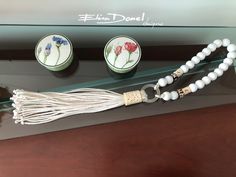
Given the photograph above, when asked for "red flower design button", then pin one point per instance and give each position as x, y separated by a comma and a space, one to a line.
122, 54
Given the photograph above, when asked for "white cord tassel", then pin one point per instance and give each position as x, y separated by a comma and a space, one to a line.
38, 108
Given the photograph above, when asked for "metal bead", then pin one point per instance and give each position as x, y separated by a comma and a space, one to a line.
181, 93
175, 77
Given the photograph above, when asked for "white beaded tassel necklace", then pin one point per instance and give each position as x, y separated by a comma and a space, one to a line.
38, 108
190, 64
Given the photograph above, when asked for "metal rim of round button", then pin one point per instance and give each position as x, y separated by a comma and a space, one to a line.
122, 54
54, 52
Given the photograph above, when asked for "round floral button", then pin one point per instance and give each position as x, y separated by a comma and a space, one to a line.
122, 54
55, 52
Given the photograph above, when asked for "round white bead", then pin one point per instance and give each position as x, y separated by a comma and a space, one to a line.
166, 96
193, 87
231, 48
225, 42
169, 79
212, 76
219, 72
206, 51
190, 64
174, 95
184, 68
223, 66
231, 55
212, 47
218, 42
200, 84
195, 60
201, 55
162, 82
206, 80
228, 61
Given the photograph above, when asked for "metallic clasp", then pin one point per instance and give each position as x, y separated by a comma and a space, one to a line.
156, 91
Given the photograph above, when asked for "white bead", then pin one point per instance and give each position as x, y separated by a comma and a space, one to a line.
223, 66
231, 55
200, 84
226, 42
166, 96
212, 47
206, 80
162, 82
169, 79
206, 51
174, 95
184, 68
212, 76
195, 60
190, 64
201, 55
231, 48
218, 42
219, 72
193, 87
228, 61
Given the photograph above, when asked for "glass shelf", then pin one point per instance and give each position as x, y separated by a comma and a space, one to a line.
20, 70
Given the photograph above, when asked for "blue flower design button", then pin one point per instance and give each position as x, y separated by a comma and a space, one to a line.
55, 52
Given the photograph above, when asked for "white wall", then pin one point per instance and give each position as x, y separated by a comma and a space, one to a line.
169, 12
216, 18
